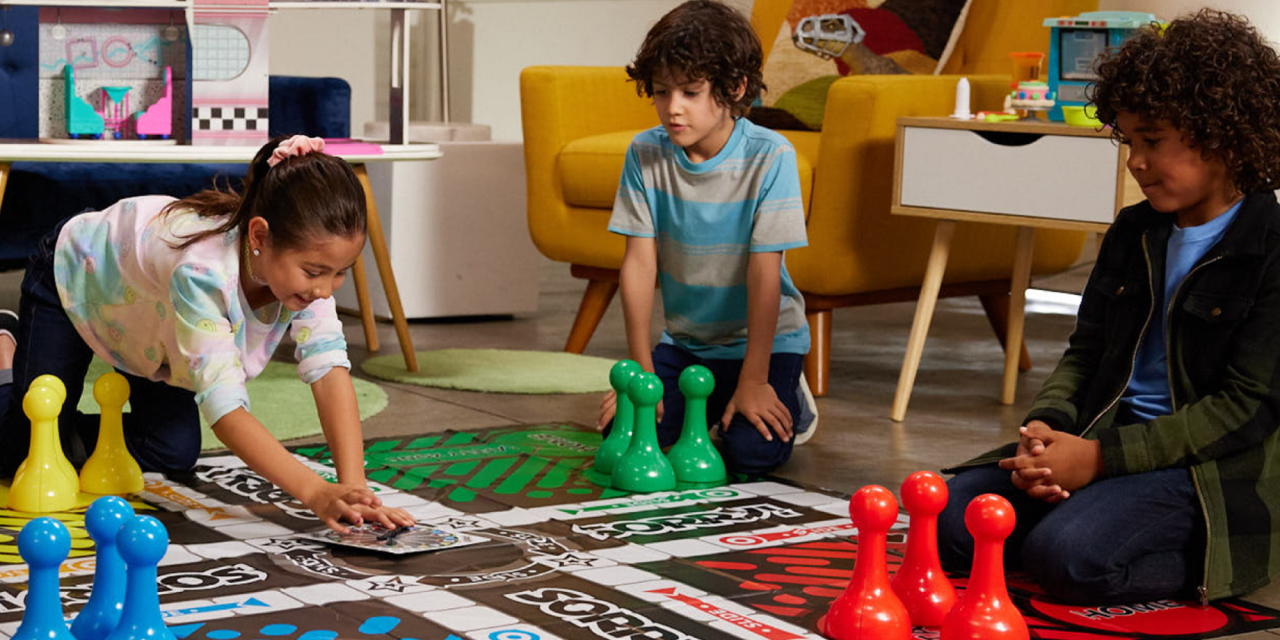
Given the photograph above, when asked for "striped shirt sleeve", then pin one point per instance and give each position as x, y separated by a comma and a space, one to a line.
779, 216
631, 213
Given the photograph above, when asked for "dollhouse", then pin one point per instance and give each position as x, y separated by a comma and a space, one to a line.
125, 62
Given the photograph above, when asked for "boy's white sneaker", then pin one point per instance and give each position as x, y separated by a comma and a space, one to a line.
9, 324
808, 413
8, 331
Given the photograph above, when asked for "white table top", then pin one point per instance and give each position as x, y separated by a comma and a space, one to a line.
142, 151
274, 4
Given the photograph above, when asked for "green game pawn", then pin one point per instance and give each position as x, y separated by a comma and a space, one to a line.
643, 468
623, 418
693, 458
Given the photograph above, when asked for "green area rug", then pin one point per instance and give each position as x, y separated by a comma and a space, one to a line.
497, 371
278, 399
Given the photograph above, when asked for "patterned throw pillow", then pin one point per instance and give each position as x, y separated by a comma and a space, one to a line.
824, 40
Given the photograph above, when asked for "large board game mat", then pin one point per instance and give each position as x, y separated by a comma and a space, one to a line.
562, 557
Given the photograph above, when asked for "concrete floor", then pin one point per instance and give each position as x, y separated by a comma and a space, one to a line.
955, 410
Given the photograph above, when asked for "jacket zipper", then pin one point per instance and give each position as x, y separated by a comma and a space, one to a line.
1133, 360
1203, 589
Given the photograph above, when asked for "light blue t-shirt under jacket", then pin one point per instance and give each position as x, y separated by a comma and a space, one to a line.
1148, 397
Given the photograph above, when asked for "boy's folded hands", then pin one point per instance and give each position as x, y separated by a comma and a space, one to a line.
1050, 464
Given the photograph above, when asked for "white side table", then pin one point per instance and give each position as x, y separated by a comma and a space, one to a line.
1030, 174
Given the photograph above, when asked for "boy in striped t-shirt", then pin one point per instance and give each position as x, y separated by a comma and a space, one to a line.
708, 202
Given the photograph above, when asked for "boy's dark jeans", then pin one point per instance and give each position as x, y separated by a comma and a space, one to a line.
162, 429
743, 448
1126, 539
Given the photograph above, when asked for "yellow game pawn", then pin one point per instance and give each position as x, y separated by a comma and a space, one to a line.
111, 470
42, 484
55, 383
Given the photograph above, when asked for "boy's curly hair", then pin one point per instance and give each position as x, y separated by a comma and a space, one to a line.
703, 39
1214, 79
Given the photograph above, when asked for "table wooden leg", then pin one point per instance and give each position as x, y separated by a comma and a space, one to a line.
378, 243
360, 278
924, 315
4, 177
1017, 310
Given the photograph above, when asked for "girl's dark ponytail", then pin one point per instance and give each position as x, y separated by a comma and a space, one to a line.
300, 196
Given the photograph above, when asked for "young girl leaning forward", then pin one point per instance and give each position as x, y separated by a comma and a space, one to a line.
189, 299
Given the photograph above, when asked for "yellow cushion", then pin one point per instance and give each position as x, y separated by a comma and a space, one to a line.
590, 168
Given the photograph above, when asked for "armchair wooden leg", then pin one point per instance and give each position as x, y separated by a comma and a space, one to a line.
595, 301
817, 365
997, 307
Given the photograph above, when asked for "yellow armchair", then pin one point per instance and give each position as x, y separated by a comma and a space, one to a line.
578, 121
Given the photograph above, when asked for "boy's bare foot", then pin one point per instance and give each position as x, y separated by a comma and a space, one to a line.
8, 343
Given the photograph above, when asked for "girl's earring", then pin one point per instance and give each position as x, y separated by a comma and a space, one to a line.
248, 265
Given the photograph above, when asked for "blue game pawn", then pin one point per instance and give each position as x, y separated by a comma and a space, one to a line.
44, 543
141, 543
100, 616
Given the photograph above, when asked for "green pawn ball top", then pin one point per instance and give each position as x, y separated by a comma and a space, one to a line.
696, 381
621, 374
645, 390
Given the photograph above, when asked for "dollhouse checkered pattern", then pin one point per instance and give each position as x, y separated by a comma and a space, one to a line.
229, 118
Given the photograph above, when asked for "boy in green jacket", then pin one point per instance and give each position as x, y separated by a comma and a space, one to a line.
1148, 465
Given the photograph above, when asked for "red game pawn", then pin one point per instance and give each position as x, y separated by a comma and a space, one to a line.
920, 583
868, 609
986, 612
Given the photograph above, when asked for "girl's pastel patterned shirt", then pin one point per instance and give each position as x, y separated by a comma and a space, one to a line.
179, 315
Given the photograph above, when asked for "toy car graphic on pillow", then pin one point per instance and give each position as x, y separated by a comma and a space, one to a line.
827, 36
